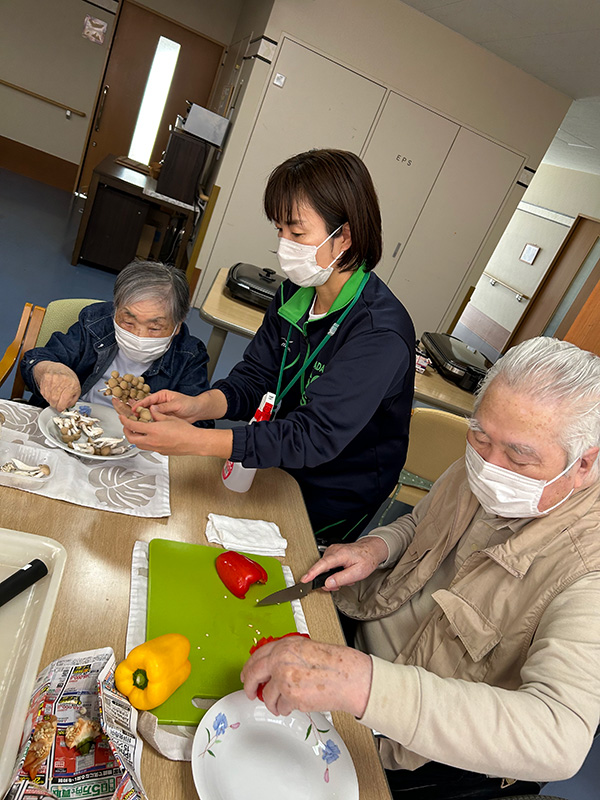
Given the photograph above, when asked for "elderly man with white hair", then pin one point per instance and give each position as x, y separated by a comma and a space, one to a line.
478, 638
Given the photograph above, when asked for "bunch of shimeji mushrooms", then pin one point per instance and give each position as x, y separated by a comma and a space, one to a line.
126, 387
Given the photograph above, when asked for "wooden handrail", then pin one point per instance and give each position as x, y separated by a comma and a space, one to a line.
41, 97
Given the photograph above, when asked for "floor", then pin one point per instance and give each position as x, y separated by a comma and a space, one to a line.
38, 225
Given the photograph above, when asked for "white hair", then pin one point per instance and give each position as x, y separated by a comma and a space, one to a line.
559, 374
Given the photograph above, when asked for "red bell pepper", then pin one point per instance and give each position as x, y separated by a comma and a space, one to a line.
266, 640
238, 572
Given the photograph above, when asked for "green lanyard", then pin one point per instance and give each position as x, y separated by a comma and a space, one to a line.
281, 393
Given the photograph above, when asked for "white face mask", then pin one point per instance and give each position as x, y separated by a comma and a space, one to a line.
142, 348
299, 262
505, 493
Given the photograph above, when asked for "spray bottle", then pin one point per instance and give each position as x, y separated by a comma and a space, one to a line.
235, 476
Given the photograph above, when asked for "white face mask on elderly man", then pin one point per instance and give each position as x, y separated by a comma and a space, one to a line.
505, 493
299, 262
142, 348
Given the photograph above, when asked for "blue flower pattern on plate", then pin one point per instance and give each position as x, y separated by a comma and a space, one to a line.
220, 724
331, 752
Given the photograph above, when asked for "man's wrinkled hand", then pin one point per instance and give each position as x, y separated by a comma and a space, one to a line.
58, 384
306, 675
359, 560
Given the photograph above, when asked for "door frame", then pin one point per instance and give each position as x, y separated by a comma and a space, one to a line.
101, 82
551, 290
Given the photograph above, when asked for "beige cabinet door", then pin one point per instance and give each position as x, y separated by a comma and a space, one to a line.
311, 101
468, 194
405, 155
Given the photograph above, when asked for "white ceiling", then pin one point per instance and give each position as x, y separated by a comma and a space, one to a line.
557, 41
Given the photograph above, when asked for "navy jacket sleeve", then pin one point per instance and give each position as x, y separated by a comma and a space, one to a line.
257, 373
64, 348
367, 368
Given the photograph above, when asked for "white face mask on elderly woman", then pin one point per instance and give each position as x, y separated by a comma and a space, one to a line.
505, 493
299, 262
142, 348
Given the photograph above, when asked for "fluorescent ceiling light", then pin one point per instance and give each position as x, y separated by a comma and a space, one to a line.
155, 97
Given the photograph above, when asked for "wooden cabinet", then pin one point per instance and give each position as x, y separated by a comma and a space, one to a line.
114, 228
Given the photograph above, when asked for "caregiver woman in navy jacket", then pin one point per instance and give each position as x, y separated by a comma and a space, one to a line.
335, 344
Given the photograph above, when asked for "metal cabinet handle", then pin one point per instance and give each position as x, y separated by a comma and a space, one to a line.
101, 108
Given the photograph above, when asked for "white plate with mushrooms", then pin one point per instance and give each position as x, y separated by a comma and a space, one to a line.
88, 430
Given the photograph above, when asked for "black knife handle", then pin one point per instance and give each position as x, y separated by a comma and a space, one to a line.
319, 581
22, 579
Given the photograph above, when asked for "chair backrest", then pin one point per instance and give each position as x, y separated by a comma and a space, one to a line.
36, 327
60, 315
437, 439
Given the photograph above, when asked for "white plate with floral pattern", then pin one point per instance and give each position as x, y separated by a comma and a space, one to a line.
241, 750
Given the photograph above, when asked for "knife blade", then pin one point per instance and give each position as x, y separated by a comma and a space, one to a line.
298, 590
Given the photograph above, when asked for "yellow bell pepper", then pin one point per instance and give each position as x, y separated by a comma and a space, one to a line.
153, 670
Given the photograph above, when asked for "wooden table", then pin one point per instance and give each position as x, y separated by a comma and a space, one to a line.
226, 314
92, 606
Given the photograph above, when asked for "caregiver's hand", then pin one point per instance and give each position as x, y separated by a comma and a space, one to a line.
172, 436
310, 676
359, 560
208, 405
58, 384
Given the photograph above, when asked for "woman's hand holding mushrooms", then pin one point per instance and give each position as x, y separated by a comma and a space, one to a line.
173, 436
208, 405
303, 674
58, 384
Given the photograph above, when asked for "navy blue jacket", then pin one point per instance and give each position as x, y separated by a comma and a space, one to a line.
342, 431
89, 346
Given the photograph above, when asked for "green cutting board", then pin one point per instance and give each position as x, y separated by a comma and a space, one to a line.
185, 595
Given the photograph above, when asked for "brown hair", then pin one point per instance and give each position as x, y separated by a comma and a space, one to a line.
339, 187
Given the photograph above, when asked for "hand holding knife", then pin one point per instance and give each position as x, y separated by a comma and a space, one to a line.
298, 590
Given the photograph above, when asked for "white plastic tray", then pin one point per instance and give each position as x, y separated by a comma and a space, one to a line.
24, 623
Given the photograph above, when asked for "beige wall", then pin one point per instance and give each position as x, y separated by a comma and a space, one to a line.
405, 50
42, 49
427, 61
564, 191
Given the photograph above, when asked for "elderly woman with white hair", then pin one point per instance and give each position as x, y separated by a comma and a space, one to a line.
142, 333
477, 630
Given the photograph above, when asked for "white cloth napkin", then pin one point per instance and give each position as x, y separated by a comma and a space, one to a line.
172, 741
249, 535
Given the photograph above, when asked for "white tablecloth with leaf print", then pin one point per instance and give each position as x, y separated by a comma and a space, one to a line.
138, 485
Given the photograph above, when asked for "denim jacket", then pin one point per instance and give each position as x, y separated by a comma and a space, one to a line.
89, 346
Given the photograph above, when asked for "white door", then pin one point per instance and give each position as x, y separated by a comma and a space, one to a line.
469, 192
314, 103
405, 155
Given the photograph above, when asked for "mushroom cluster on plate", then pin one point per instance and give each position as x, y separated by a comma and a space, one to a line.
82, 433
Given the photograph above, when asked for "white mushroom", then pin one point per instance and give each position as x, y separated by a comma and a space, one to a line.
16, 467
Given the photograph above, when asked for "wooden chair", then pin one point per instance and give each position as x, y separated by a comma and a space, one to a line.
36, 326
436, 440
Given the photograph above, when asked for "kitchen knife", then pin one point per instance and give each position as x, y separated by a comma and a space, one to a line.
298, 590
22, 579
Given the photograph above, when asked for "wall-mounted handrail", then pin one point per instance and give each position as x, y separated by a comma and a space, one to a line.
41, 97
517, 293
